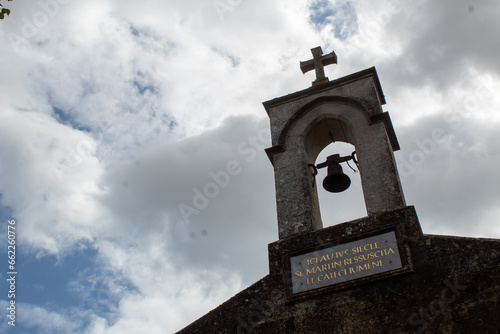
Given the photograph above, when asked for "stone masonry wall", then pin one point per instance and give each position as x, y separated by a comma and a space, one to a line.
450, 285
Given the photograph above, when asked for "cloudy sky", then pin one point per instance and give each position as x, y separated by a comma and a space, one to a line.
132, 137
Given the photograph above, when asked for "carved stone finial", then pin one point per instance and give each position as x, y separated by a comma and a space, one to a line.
318, 63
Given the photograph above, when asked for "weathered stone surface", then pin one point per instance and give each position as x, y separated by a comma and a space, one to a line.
318, 63
345, 262
348, 109
362, 86
429, 283
450, 285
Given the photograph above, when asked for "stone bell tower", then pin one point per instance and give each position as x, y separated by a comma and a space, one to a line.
377, 274
302, 124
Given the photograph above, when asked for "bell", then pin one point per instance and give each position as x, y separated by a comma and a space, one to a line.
336, 181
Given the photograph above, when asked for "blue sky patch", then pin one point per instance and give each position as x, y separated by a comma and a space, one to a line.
69, 283
144, 87
342, 17
64, 118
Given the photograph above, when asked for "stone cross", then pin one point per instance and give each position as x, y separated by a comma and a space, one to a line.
318, 63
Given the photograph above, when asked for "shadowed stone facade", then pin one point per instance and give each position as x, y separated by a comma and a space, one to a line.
377, 274
451, 285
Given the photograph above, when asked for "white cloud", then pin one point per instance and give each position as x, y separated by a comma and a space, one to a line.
116, 113
52, 180
48, 321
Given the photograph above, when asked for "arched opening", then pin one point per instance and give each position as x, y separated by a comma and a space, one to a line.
330, 131
302, 137
337, 208
303, 124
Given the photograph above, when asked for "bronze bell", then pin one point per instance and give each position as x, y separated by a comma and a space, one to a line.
336, 181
